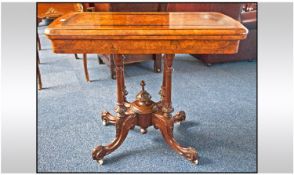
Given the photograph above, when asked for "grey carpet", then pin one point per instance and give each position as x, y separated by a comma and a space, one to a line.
220, 103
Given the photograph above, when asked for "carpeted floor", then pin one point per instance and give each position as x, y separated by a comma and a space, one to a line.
220, 103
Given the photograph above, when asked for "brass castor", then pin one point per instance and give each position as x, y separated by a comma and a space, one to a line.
143, 131
100, 162
104, 122
157, 70
195, 162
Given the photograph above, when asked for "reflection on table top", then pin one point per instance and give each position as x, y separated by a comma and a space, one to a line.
125, 23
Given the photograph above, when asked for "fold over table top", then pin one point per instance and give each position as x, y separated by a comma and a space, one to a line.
160, 26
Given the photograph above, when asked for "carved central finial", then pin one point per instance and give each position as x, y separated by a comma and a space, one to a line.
143, 96
143, 85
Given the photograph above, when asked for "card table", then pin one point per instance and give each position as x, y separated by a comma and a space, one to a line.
167, 33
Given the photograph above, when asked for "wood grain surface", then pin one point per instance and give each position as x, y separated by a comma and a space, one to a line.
146, 33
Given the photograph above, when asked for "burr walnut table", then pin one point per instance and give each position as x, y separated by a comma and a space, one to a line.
165, 33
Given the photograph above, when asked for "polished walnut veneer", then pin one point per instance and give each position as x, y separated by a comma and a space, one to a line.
121, 33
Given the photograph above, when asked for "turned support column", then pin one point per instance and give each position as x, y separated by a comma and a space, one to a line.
125, 92
167, 108
161, 92
120, 85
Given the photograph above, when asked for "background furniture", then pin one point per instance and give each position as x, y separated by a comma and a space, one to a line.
51, 11
128, 7
39, 79
247, 47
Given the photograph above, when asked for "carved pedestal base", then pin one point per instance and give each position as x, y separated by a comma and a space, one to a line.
144, 113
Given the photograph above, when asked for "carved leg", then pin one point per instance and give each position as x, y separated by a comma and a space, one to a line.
165, 125
123, 125
157, 63
85, 67
38, 74
108, 118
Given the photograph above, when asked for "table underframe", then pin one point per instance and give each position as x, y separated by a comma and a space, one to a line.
144, 113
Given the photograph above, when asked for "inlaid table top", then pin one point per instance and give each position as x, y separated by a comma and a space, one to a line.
146, 32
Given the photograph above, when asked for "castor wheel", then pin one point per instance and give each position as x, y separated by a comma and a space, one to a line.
100, 162
157, 70
179, 123
104, 122
143, 131
195, 162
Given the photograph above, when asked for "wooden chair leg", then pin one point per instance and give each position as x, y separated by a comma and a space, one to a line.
86, 67
76, 56
38, 74
100, 61
38, 42
157, 63
38, 60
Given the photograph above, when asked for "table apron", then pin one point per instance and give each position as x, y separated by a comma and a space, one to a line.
145, 46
